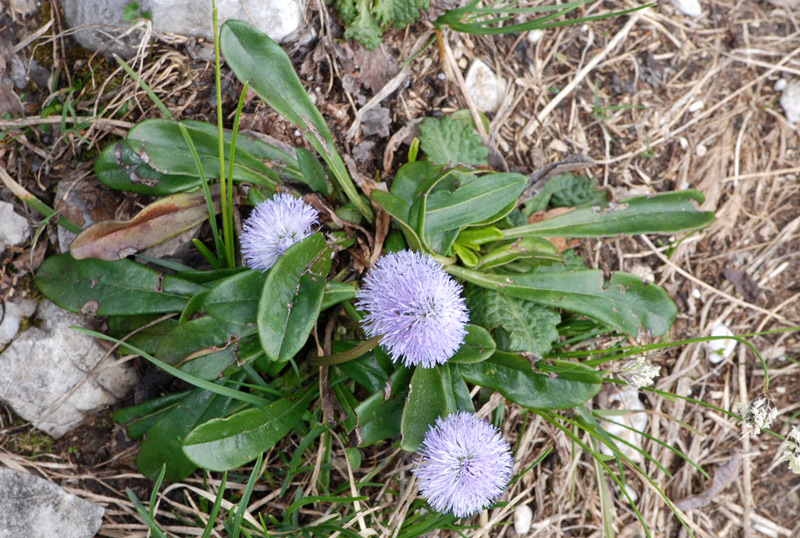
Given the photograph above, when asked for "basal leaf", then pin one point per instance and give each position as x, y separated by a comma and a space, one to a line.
478, 345
450, 142
291, 300
379, 416
513, 377
663, 213
531, 327
430, 397
228, 443
167, 217
567, 190
623, 303
399, 12
235, 299
122, 287
469, 204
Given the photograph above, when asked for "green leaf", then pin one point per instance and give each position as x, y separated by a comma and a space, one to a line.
430, 397
471, 203
450, 142
370, 370
365, 28
531, 327
235, 299
146, 339
663, 213
623, 303
290, 300
398, 209
337, 292
122, 287
163, 442
513, 377
313, 173
566, 190
399, 12
478, 345
411, 176
225, 444
255, 57
530, 248
380, 415
155, 159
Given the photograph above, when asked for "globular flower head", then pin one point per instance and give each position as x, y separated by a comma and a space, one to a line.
757, 415
273, 226
463, 465
416, 307
638, 373
790, 450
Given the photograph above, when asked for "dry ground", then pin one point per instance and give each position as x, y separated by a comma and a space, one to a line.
662, 102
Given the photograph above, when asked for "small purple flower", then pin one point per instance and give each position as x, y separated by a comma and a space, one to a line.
463, 465
273, 226
416, 307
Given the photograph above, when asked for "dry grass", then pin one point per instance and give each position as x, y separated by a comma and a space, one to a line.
692, 106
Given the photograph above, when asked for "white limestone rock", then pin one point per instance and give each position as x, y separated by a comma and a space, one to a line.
690, 8
37, 508
14, 228
45, 363
12, 315
627, 398
282, 20
790, 101
523, 519
719, 350
485, 88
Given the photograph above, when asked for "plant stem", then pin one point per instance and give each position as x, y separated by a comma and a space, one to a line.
346, 356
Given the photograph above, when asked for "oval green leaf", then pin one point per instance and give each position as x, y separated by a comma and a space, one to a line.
429, 397
478, 346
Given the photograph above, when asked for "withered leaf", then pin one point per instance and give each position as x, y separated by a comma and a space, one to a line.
172, 215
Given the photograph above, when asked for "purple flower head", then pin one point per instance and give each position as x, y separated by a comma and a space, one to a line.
463, 465
416, 307
273, 226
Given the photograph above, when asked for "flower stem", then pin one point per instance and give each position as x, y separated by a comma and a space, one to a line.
349, 355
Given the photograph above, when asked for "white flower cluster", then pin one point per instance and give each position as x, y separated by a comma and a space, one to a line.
758, 415
638, 373
790, 450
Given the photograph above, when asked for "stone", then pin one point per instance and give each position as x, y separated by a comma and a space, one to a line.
14, 229
282, 20
37, 508
45, 373
534, 36
626, 398
523, 519
790, 101
484, 87
12, 315
690, 8
719, 350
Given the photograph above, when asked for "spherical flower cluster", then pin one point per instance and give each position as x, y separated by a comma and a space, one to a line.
463, 465
415, 307
273, 226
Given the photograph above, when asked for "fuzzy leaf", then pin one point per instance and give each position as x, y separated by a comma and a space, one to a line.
531, 327
365, 28
399, 12
566, 190
448, 141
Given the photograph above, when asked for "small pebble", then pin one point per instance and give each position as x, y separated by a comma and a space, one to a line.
700, 150
631, 493
690, 8
697, 105
720, 350
790, 101
781, 84
683, 142
484, 87
534, 36
441, 76
523, 518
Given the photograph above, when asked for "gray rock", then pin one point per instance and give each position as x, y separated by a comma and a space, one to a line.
45, 373
12, 318
14, 229
790, 101
104, 28
485, 88
36, 508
